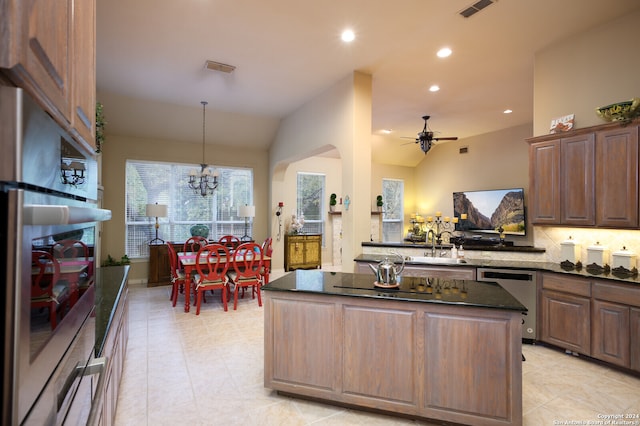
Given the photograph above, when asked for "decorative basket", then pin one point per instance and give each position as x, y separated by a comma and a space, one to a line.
621, 111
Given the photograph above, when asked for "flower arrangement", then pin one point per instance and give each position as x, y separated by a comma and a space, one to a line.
297, 223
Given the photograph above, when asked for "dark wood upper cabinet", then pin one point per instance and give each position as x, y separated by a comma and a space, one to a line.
587, 177
617, 177
544, 182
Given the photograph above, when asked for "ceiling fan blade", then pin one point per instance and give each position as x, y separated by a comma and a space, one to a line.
453, 138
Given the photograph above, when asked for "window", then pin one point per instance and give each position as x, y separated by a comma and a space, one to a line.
393, 210
311, 202
165, 183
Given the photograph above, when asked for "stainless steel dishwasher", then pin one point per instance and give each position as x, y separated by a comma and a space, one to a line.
522, 285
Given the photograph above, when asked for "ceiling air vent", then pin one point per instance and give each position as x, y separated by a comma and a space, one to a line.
217, 66
475, 8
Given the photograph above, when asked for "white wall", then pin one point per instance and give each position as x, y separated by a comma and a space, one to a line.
587, 71
496, 160
339, 118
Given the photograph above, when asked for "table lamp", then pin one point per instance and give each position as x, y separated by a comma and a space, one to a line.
246, 212
156, 210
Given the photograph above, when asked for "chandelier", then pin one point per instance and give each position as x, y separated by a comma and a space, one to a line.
206, 181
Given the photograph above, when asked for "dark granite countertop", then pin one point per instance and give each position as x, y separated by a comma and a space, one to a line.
110, 283
467, 246
412, 289
515, 264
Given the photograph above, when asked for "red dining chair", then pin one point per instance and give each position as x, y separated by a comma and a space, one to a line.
79, 251
194, 244
47, 291
247, 264
71, 249
212, 273
230, 241
267, 250
177, 275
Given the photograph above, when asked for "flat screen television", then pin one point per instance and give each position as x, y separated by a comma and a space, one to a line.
491, 209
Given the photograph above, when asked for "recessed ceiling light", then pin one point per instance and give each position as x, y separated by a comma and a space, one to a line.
434, 88
507, 111
386, 131
348, 36
444, 52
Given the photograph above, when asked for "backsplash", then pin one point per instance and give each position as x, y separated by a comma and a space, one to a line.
550, 238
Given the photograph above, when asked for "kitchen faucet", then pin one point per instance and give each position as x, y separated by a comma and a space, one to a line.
435, 237
433, 242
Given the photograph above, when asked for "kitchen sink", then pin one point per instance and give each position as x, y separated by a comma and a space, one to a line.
437, 260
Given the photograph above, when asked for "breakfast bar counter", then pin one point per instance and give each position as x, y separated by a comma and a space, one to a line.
433, 348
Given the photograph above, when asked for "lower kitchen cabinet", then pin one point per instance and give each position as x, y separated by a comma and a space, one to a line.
616, 323
303, 251
115, 348
610, 327
566, 312
634, 343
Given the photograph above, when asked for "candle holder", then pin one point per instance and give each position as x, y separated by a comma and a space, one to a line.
441, 226
417, 228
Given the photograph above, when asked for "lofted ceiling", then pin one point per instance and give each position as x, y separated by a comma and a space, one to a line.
151, 56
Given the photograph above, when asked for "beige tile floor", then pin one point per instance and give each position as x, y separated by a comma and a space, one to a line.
183, 369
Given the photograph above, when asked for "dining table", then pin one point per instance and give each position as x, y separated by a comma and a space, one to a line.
189, 261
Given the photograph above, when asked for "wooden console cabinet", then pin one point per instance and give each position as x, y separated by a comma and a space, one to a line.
302, 251
159, 266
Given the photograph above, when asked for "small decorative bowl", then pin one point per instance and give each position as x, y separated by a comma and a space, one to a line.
199, 230
620, 111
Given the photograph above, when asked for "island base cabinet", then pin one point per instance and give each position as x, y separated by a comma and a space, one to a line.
455, 364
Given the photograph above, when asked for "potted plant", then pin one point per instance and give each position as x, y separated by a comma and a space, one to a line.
332, 202
379, 202
100, 123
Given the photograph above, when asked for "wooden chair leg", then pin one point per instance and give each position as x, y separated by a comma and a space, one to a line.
235, 297
199, 300
224, 297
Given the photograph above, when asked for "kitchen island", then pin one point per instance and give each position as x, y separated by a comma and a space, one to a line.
432, 348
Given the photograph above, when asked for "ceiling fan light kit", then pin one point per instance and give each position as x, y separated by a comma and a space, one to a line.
425, 137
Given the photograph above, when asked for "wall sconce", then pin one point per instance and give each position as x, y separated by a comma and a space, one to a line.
72, 173
156, 210
246, 212
279, 216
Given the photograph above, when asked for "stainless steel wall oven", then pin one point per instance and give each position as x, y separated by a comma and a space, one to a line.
48, 236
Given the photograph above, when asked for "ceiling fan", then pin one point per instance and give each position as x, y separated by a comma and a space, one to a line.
425, 137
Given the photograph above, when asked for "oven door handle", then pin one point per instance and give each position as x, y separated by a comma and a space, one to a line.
41, 214
98, 366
